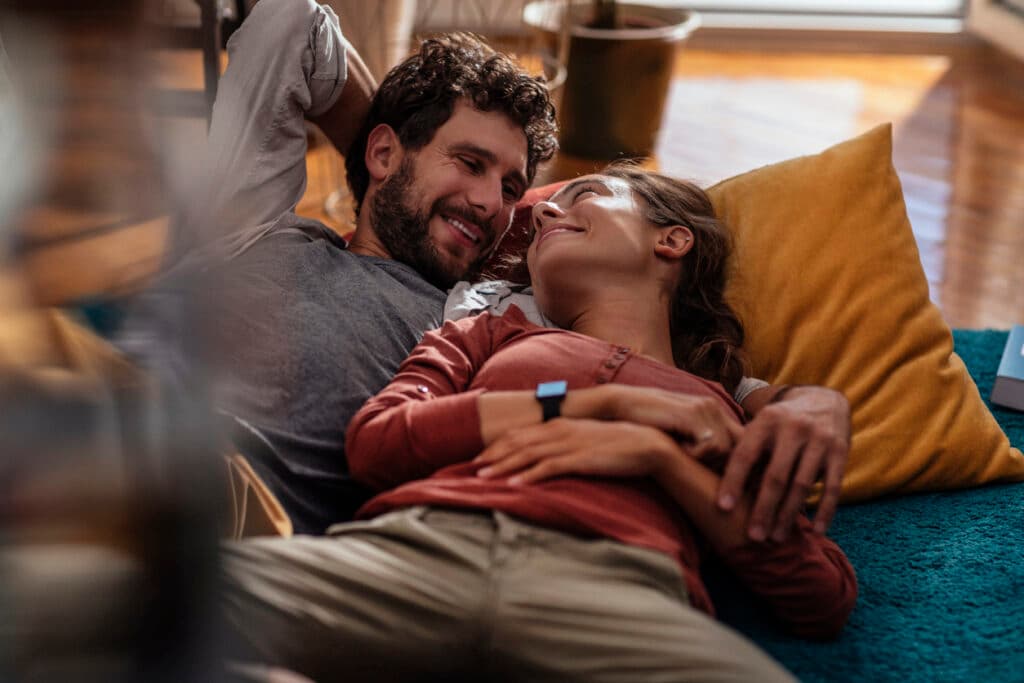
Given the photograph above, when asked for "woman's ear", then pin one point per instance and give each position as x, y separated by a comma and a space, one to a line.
383, 151
674, 242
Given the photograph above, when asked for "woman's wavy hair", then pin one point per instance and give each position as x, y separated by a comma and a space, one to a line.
707, 335
418, 96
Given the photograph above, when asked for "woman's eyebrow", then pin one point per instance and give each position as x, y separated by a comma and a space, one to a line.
576, 183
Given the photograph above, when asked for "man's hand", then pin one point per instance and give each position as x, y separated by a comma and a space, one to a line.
805, 436
701, 420
563, 446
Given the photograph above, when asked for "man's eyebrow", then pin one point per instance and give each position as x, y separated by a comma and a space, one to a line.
491, 158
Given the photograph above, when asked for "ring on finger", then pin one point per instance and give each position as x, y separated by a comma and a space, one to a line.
705, 435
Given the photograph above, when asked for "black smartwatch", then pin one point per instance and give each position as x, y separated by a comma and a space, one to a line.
550, 396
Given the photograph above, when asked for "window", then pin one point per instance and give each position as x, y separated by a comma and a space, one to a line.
943, 16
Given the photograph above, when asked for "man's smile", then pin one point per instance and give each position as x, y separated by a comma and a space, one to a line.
469, 231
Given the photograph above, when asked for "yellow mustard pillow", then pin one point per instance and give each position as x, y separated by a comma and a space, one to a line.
830, 288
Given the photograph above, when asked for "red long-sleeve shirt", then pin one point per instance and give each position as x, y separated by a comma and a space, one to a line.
420, 433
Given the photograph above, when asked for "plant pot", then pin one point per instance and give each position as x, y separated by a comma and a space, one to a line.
618, 79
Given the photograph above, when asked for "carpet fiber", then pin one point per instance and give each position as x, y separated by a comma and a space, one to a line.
941, 577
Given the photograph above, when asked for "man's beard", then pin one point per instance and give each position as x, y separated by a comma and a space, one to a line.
405, 231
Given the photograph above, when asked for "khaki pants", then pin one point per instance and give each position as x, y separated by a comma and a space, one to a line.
432, 595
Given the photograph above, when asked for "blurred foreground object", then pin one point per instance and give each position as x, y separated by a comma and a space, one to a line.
106, 494
93, 216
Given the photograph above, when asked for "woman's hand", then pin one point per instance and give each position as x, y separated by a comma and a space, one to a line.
701, 420
577, 446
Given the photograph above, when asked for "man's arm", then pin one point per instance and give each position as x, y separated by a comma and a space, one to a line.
342, 121
804, 432
806, 579
288, 61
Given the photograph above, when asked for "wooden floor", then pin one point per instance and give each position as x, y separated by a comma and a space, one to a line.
959, 151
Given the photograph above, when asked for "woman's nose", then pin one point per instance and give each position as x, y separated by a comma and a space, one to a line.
545, 211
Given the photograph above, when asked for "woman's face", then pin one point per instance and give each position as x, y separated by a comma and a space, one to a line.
592, 228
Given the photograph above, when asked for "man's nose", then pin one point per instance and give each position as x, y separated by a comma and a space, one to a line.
545, 211
486, 197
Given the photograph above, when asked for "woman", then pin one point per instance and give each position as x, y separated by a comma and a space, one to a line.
516, 546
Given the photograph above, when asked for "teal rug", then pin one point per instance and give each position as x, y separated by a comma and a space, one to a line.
941, 577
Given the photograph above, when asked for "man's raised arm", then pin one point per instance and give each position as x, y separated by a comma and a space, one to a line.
342, 121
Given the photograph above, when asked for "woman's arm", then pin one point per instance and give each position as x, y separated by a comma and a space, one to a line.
702, 420
806, 580
802, 432
426, 418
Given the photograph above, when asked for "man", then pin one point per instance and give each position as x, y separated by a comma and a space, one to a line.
298, 330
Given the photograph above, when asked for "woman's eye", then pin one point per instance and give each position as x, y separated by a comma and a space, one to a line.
583, 193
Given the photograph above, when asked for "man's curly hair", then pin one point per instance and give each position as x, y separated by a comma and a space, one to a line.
418, 96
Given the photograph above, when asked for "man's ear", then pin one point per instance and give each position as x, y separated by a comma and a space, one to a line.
674, 242
383, 152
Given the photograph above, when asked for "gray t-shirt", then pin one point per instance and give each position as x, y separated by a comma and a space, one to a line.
295, 333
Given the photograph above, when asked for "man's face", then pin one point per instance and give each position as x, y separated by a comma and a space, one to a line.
446, 204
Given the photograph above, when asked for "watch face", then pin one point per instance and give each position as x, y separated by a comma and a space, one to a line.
552, 389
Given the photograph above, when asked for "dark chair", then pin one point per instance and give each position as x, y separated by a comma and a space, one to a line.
218, 20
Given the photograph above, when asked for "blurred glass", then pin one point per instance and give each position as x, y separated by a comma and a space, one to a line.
107, 495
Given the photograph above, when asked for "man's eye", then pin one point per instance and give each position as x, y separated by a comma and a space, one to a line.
472, 164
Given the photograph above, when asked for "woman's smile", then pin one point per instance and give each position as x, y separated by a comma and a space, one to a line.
556, 229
